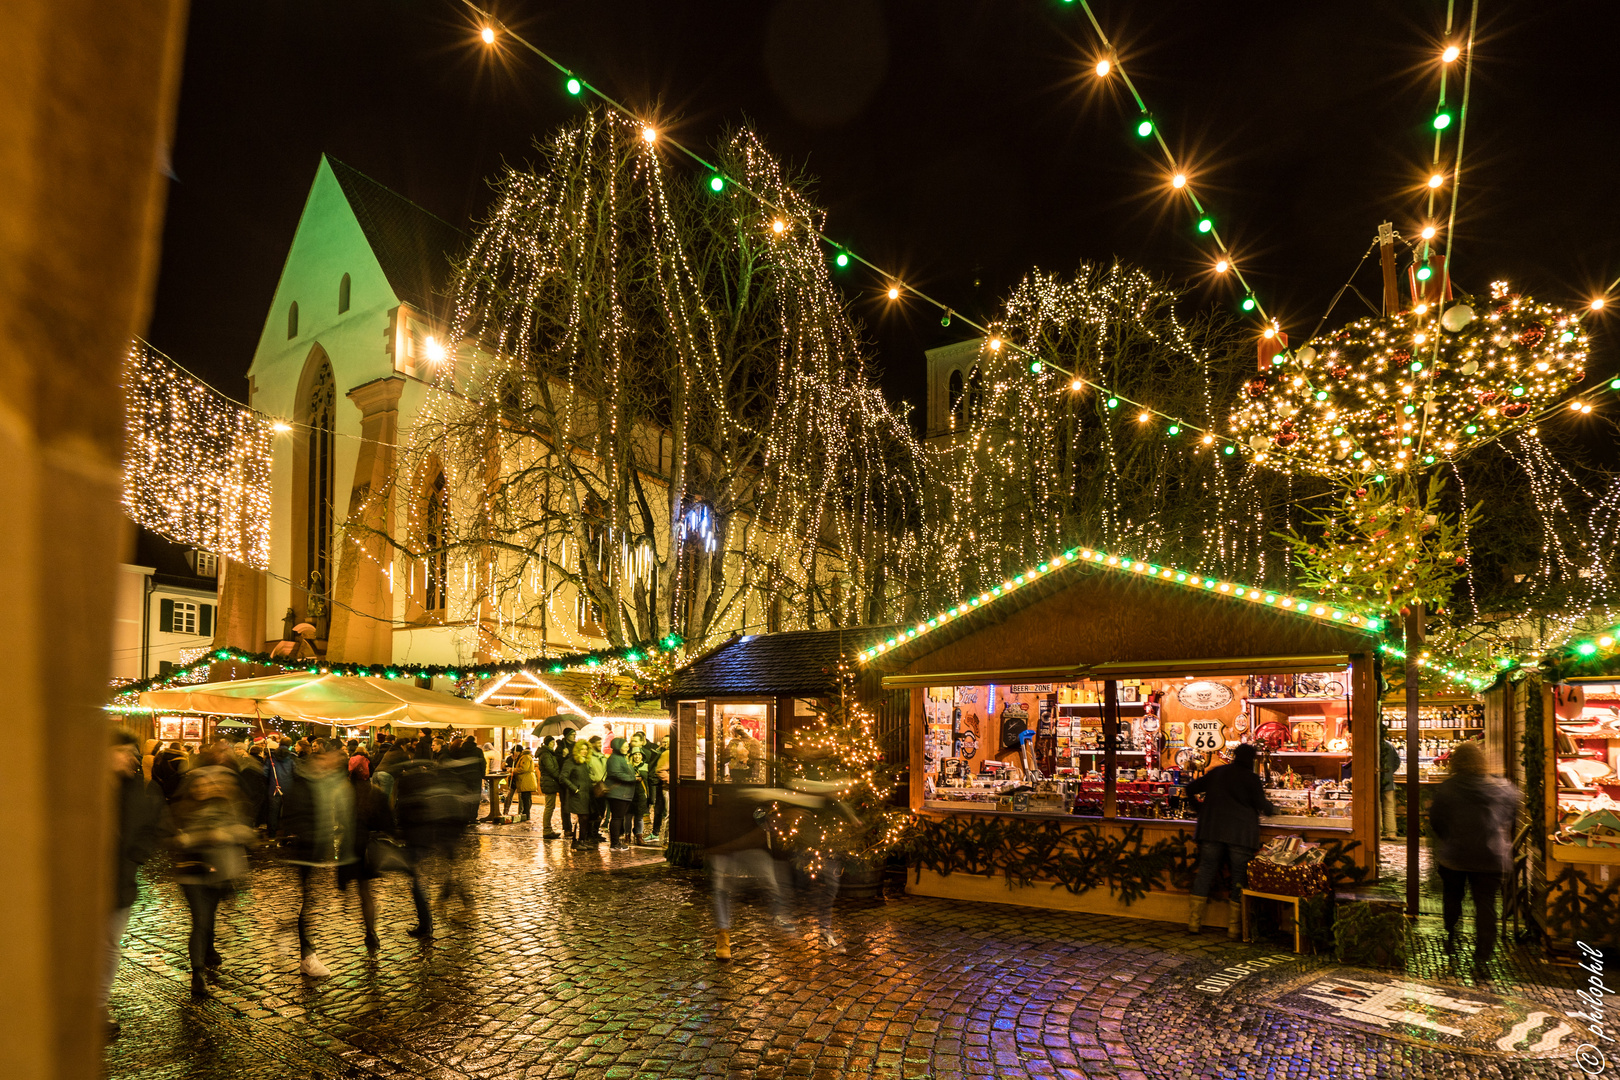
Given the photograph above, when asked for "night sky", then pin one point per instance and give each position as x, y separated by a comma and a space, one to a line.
959, 143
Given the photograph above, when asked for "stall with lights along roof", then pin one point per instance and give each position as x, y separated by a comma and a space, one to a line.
1055, 719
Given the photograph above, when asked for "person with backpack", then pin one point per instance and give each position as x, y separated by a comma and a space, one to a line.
522, 780
209, 834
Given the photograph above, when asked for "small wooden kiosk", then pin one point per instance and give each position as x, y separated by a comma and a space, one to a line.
1106, 678
731, 708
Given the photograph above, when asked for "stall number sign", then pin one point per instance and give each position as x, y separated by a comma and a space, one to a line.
1206, 735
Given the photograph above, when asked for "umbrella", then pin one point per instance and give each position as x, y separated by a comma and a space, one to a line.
553, 725
350, 700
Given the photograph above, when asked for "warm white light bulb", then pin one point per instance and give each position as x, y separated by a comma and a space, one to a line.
995, 344
649, 134
1269, 332
1143, 417
1077, 386
1103, 68
1428, 230
894, 292
1179, 180
1221, 266
281, 427
1420, 309
1451, 53
1597, 304
488, 35
1436, 180
778, 226
435, 350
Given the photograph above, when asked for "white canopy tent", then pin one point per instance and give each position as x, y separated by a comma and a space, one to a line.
345, 700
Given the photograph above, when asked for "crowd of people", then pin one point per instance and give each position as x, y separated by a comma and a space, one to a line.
362, 809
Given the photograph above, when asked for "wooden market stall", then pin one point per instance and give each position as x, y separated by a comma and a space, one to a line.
731, 709
1054, 722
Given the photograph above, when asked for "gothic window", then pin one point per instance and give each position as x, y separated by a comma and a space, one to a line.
343, 294
956, 399
292, 320
320, 412
435, 541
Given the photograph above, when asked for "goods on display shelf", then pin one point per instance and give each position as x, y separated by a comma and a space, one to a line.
1042, 748
1444, 723
1587, 734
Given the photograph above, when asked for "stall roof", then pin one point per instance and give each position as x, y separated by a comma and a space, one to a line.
1083, 615
791, 662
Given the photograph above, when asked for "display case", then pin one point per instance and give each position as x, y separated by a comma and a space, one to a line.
1443, 722
1129, 748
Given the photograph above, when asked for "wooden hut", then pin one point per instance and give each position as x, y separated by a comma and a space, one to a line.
1103, 680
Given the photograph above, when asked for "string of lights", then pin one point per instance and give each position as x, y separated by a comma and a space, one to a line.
1307, 607
1178, 176
197, 465
493, 30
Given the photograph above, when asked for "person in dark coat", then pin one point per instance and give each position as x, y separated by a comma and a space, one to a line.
168, 766
429, 807
319, 813
1389, 759
278, 777
138, 804
550, 767
575, 778
1472, 816
621, 795
1228, 831
207, 829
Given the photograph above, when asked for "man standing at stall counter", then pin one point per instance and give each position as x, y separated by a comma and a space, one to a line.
1229, 831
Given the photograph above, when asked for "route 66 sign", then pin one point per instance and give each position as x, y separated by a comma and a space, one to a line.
1205, 735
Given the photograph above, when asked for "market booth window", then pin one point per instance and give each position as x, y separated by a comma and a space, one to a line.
1127, 746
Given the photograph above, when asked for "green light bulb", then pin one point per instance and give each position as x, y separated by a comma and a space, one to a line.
1614, 384
1205, 225
1442, 120
1034, 367
842, 259
1428, 459
1518, 391
575, 86
1321, 395
1145, 128
1424, 272
1172, 429
1417, 365
1230, 450
1586, 648
717, 183
1338, 431
1379, 479
1113, 403
1248, 303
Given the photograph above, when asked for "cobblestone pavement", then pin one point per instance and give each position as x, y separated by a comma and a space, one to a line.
601, 965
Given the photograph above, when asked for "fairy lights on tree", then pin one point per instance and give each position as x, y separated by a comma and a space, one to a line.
196, 464
1393, 394
656, 415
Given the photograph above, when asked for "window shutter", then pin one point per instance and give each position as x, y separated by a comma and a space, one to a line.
205, 620
166, 617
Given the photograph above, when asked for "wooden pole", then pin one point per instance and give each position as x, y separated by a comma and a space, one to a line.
1386, 251
1414, 819
1110, 749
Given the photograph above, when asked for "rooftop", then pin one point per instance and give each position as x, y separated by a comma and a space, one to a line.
776, 665
413, 246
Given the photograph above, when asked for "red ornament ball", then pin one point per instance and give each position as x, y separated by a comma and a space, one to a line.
1258, 386
1489, 397
1340, 371
1531, 335
1515, 410
1401, 355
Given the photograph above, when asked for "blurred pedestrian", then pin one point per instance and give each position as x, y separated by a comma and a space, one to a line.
1389, 760
1228, 832
148, 757
430, 810
319, 815
522, 780
359, 762
137, 804
637, 754
550, 769
209, 832
168, 766
740, 852
1472, 816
